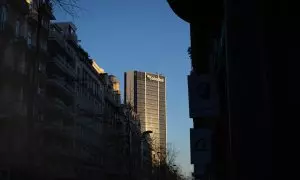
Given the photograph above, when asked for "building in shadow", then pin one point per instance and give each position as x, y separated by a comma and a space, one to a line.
23, 57
230, 87
61, 114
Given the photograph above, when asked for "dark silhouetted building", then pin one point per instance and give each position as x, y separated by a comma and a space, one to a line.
230, 87
23, 57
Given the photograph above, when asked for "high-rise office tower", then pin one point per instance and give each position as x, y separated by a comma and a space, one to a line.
146, 92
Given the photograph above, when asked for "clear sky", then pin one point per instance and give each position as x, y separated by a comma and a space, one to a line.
145, 35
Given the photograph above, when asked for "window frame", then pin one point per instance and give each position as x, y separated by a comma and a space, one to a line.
3, 16
18, 28
29, 37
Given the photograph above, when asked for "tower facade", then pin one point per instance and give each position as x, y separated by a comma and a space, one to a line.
146, 92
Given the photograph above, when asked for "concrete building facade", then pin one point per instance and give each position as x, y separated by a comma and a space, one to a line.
61, 115
146, 92
23, 57
90, 99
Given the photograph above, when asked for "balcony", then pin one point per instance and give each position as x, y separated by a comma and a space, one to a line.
57, 107
60, 39
33, 17
57, 36
59, 104
63, 65
20, 43
85, 134
53, 151
58, 129
12, 109
112, 98
47, 9
73, 38
17, 75
60, 82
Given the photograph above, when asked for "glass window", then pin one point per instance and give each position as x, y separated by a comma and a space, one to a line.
3, 16
18, 28
29, 38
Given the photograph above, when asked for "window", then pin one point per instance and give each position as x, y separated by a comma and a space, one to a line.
17, 31
40, 117
45, 23
22, 66
42, 21
43, 44
29, 38
3, 16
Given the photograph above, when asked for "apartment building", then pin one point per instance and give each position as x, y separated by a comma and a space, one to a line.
89, 120
23, 55
132, 146
84, 108
60, 114
58, 121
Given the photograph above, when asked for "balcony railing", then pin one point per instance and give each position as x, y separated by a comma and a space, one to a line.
59, 37
47, 7
61, 83
65, 67
12, 109
89, 136
33, 15
111, 96
56, 128
72, 37
57, 107
55, 35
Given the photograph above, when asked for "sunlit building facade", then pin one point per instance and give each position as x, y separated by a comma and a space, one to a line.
146, 92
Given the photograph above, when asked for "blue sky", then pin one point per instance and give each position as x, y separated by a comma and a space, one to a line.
145, 35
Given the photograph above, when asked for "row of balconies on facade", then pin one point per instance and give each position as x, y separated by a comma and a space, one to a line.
57, 107
112, 96
92, 138
64, 65
65, 124
91, 124
33, 16
71, 134
62, 83
55, 35
12, 109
